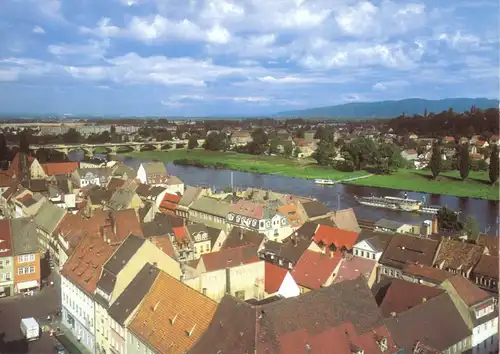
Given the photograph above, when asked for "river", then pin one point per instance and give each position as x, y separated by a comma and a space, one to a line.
339, 196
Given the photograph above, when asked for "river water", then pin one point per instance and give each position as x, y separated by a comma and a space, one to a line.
339, 196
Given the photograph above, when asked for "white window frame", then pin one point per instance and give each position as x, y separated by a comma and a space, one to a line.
25, 258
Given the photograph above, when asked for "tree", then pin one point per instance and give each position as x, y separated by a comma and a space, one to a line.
4, 150
436, 161
72, 136
193, 142
259, 142
213, 142
24, 145
494, 168
448, 220
112, 130
324, 154
296, 152
325, 134
288, 150
471, 227
463, 161
273, 146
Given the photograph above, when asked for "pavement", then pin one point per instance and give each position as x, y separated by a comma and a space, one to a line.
45, 302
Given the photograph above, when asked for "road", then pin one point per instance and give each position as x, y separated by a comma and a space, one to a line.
14, 308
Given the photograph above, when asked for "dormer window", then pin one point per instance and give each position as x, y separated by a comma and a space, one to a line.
382, 344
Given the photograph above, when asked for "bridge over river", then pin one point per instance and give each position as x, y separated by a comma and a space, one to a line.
114, 148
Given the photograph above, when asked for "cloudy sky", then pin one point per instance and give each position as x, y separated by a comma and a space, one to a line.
204, 57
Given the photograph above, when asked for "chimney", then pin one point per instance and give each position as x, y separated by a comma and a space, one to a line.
330, 253
424, 299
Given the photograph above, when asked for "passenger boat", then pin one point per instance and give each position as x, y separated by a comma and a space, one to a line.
324, 181
401, 204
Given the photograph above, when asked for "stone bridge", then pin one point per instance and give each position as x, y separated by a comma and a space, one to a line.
112, 148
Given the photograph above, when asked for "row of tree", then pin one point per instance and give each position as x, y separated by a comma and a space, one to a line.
463, 162
448, 123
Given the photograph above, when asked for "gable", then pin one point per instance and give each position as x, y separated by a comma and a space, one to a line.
365, 246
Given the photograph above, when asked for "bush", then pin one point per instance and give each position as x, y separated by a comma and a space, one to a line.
345, 166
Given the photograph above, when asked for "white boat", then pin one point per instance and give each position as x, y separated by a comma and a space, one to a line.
324, 181
430, 209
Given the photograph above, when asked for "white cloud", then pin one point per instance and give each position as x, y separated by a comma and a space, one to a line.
366, 19
131, 2
460, 42
250, 99
218, 35
91, 49
356, 54
132, 68
389, 85
38, 30
11, 74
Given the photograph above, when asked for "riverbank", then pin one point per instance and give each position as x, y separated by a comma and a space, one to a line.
476, 186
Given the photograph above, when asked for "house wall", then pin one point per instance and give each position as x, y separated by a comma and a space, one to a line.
141, 174
36, 170
7, 275
220, 241
19, 279
136, 346
102, 329
175, 188
247, 277
148, 253
485, 337
209, 220
364, 250
78, 313
202, 248
289, 287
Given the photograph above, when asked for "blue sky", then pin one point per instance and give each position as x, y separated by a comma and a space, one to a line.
205, 57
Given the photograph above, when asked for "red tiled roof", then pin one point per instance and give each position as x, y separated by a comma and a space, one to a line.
59, 168
169, 202
274, 277
115, 183
180, 233
352, 268
5, 238
164, 244
411, 151
314, 269
343, 338
449, 138
173, 198
403, 295
248, 208
84, 266
329, 234
468, 291
15, 165
230, 257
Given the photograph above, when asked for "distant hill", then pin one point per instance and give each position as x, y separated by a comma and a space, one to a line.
391, 109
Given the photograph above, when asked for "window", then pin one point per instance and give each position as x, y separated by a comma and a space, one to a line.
7, 262
1, 263
7, 276
26, 258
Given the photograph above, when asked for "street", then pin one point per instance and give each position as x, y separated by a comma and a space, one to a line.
13, 309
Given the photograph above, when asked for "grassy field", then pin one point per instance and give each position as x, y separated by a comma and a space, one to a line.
476, 186
251, 163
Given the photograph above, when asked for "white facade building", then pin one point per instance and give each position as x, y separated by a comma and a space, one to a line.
78, 313
485, 333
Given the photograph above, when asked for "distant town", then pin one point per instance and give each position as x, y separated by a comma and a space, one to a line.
99, 256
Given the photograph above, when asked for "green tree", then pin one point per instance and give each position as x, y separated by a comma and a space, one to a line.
362, 152
273, 146
325, 134
463, 161
72, 136
112, 130
213, 142
24, 145
296, 152
288, 150
300, 133
436, 160
193, 142
494, 168
471, 227
4, 150
324, 154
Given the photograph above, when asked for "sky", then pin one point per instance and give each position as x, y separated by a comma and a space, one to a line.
241, 57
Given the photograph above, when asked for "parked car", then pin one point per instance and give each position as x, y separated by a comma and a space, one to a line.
59, 349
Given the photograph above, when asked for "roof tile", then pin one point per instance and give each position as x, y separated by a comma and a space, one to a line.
172, 316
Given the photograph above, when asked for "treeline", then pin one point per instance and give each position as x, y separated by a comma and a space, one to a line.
448, 123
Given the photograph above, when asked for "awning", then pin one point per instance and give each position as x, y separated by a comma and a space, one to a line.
27, 285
